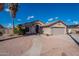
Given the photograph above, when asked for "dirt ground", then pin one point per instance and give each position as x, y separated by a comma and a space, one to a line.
55, 45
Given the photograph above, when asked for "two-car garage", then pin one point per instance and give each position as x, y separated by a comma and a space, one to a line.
57, 28
58, 31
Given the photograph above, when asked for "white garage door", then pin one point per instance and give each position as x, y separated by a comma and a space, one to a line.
58, 31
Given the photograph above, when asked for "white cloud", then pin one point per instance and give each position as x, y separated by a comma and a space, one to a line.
30, 17
75, 22
18, 19
50, 19
9, 25
7, 10
56, 17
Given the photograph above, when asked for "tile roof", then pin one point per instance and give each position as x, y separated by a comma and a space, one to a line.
59, 21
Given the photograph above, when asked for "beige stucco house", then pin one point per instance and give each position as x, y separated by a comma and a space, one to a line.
30, 26
8, 31
56, 28
74, 29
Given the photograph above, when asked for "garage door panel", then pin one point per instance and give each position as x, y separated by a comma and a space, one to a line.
58, 31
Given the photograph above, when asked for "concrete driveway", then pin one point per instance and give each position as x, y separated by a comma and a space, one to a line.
59, 45
56, 45
36, 45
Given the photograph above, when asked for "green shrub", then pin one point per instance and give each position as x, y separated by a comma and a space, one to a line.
19, 30
15, 31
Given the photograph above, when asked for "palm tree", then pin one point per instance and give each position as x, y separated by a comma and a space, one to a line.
13, 7
1, 6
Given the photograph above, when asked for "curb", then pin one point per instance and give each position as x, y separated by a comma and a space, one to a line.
74, 39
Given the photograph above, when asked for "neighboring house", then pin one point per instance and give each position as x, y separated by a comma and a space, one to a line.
56, 28
5, 30
2, 29
73, 28
30, 26
8, 31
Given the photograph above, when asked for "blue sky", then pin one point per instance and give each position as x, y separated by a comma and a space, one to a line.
48, 13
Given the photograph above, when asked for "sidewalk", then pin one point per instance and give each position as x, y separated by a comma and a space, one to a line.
7, 37
76, 36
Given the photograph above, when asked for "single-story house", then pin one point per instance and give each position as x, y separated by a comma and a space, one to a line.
73, 29
31, 26
8, 31
2, 30
56, 28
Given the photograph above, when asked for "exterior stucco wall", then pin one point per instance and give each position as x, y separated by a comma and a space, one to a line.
47, 30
